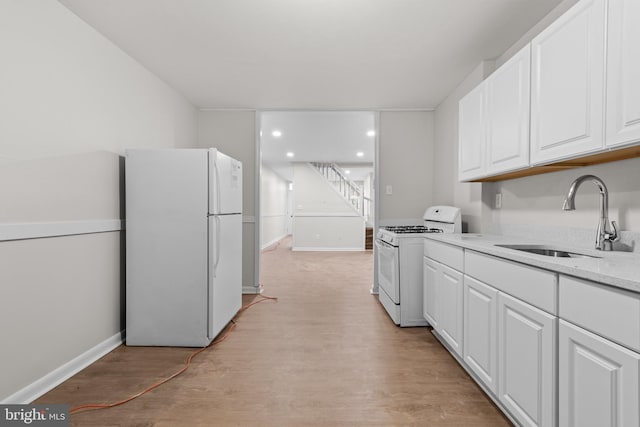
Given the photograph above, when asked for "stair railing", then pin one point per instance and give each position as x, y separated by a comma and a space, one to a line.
349, 189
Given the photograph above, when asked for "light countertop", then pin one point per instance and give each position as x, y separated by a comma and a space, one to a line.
619, 269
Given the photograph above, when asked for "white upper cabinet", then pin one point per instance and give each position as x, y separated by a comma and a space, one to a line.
494, 122
471, 135
574, 91
567, 84
623, 73
508, 115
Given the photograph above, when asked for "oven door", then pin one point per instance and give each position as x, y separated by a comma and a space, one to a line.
388, 270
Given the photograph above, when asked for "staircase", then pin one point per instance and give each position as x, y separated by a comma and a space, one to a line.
349, 190
368, 238
352, 193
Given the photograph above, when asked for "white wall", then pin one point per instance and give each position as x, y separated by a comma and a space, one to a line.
312, 194
234, 133
65, 89
328, 233
70, 103
322, 218
535, 200
274, 198
369, 192
405, 162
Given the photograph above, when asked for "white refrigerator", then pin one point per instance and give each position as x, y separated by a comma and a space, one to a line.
183, 245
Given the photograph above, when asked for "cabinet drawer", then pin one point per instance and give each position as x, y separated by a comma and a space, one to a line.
530, 284
610, 312
444, 253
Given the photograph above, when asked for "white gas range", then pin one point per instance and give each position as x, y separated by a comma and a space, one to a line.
399, 251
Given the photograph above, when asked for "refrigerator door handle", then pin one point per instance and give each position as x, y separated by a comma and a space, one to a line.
217, 258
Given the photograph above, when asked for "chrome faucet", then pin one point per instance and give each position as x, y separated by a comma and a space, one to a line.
604, 236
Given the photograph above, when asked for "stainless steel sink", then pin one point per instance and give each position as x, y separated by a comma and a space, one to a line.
547, 251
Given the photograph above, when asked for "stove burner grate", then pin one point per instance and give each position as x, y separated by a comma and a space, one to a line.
415, 229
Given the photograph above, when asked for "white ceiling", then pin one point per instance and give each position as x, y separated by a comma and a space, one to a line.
312, 54
329, 136
326, 136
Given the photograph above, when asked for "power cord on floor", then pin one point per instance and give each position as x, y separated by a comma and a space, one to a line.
231, 327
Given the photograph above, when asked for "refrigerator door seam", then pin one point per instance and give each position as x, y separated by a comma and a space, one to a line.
215, 266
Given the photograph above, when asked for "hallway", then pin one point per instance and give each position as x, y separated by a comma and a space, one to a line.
325, 354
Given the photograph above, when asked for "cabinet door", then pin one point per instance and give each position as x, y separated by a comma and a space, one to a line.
526, 362
623, 73
508, 115
598, 380
429, 291
450, 302
480, 328
567, 84
471, 135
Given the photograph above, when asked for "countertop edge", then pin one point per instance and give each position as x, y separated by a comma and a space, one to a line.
587, 269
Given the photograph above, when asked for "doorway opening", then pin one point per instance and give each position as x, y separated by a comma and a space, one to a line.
317, 180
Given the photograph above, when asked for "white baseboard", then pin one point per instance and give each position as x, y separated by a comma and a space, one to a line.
273, 242
312, 249
250, 290
54, 378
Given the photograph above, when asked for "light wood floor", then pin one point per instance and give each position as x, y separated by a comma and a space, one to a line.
325, 354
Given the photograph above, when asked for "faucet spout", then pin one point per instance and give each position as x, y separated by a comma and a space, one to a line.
569, 203
604, 236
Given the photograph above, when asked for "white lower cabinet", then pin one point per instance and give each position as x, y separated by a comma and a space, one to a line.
480, 330
527, 362
598, 380
580, 368
450, 317
442, 304
429, 291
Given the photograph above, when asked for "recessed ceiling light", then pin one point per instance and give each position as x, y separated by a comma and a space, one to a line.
276, 133
359, 154
289, 154
347, 171
371, 133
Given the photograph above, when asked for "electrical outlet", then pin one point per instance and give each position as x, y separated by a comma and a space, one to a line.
498, 200
389, 190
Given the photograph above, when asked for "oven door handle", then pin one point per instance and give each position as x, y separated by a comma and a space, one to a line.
383, 245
